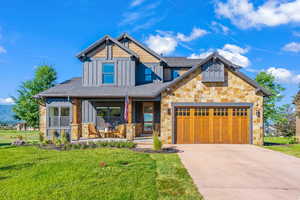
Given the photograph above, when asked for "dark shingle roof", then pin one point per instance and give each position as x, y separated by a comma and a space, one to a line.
74, 88
181, 61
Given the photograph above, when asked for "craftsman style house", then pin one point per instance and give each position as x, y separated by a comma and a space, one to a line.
127, 90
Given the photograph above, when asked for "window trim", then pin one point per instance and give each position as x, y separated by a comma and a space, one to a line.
114, 73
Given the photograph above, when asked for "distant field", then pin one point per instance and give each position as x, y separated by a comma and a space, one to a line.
8, 136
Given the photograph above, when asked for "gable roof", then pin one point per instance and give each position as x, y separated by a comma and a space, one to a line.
232, 67
126, 35
181, 61
99, 42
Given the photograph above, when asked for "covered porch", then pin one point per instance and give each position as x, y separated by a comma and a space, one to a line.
115, 118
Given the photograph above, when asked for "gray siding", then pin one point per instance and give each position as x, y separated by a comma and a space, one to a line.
124, 72
157, 72
213, 72
88, 112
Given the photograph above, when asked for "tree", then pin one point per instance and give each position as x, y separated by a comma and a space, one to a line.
286, 125
27, 107
271, 111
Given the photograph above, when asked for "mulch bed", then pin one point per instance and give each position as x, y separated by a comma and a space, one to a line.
149, 150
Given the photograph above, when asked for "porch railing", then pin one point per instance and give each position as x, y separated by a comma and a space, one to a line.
59, 121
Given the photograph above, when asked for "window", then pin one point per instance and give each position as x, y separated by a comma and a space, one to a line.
148, 74
108, 116
175, 73
108, 73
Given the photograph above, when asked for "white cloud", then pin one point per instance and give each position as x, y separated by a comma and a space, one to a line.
2, 50
6, 101
283, 75
136, 3
219, 28
296, 33
165, 42
293, 47
272, 13
162, 44
231, 52
196, 33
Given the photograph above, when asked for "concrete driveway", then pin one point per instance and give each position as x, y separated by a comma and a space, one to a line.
242, 172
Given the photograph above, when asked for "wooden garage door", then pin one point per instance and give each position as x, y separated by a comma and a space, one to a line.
196, 125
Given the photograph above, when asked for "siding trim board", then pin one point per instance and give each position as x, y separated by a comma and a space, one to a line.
192, 104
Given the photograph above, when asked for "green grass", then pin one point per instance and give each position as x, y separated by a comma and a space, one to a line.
276, 140
281, 144
32, 173
8, 136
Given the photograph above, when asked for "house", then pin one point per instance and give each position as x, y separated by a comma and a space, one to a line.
184, 100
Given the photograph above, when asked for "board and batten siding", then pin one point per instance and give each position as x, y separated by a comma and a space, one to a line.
124, 72
157, 72
88, 112
213, 72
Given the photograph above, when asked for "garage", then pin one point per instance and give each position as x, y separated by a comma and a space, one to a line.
212, 125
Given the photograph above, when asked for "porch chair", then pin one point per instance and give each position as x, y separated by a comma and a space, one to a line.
93, 133
121, 131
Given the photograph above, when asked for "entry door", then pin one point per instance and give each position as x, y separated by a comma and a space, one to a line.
148, 117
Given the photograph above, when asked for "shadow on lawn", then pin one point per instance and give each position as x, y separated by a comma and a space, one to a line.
16, 167
272, 144
4, 144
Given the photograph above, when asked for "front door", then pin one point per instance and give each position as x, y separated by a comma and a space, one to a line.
148, 117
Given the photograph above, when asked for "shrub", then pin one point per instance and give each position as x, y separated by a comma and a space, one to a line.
58, 142
41, 137
157, 144
292, 140
64, 138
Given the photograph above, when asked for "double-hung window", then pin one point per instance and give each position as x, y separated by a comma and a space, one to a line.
108, 73
148, 74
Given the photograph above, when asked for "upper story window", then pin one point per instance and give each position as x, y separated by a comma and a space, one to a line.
175, 74
108, 73
148, 74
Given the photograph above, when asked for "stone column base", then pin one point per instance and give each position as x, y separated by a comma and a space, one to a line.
75, 131
85, 130
130, 131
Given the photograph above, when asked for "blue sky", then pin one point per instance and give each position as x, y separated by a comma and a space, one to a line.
259, 35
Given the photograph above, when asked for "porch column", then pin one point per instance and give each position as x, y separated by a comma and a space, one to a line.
76, 120
130, 127
129, 110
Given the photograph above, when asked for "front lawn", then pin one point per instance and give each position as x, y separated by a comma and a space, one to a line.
281, 144
33, 173
8, 136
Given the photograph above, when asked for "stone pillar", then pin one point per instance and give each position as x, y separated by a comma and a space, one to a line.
130, 131
43, 119
76, 119
85, 130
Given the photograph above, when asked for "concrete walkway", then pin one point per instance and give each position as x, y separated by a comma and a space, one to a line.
242, 172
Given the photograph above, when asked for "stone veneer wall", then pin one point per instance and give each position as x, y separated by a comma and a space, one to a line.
233, 90
43, 119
